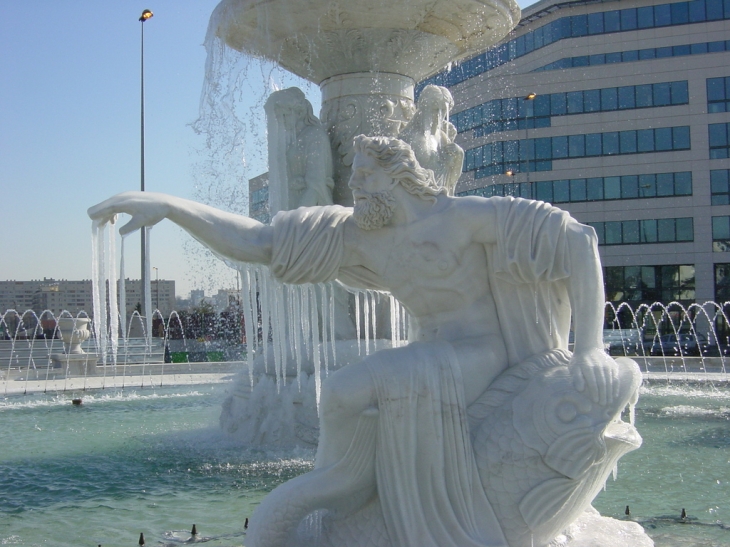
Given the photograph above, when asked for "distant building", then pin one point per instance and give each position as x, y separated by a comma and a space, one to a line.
225, 299
258, 198
47, 294
76, 296
162, 294
618, 112
196, 297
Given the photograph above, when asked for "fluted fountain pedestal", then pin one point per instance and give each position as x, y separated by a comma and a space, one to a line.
366, 56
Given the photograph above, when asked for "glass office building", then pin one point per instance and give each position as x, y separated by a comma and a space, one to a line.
619, 112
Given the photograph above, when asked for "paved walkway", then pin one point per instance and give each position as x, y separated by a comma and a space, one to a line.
135, 377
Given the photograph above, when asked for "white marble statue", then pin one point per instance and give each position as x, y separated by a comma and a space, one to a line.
300, 156
431, 135
484, 430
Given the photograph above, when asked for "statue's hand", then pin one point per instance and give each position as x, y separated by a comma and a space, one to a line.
598, 372
145, 208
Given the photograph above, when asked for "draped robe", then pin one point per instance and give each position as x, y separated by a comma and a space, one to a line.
429, 493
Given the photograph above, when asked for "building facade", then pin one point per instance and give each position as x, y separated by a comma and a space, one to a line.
258, 198
619, 112
76, 296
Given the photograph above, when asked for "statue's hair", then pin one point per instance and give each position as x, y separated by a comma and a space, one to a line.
437, 93
293, 97
397, 159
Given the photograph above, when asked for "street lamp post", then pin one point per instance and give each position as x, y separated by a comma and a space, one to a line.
146, 14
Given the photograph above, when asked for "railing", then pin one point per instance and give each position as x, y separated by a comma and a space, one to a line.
36, 354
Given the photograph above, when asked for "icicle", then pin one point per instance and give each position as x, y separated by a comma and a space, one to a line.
96, 229
315, 345
615, 471
366, 316
248, 296
393, 324
280, 335
122, 294
100, 324
110, 283
325, 323
404, 324
357, 322
333, 340
374, 308
296, 325
302, 326
537, 314
147, 290
266, 319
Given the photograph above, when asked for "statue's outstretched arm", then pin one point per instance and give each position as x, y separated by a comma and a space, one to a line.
593, 369
232, 236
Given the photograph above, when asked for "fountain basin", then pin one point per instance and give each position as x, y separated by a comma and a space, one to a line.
320, 39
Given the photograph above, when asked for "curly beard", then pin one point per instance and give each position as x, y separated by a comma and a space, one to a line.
375, 211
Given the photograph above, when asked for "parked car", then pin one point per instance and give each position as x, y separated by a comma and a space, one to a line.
622, 341
684, 343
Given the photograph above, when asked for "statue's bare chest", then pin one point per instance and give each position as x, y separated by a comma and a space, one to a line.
422, 260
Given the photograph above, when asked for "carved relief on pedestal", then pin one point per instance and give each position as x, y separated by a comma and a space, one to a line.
355, 104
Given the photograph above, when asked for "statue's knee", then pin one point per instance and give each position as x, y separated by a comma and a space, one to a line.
342, 397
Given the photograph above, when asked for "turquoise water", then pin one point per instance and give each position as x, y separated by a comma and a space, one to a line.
148, 461
154, 461
684, 463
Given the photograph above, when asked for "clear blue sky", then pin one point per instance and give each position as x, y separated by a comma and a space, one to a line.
70, 129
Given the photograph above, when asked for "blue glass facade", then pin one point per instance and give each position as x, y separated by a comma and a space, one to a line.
522, 113
650, 283
574, 26
632, 232
595, 189
528, 155
633, 55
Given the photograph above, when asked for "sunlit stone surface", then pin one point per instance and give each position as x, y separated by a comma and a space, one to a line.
320, 39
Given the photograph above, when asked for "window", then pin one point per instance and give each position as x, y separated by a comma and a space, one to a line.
636, 55
528, 154
721, 234
520, 113
718, 94
628, 232
718, 140
720, 186
722, 282
650, 283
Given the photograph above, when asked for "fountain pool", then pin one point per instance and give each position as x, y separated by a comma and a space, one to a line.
155, 461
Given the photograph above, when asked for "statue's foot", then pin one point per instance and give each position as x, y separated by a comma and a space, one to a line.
341, 488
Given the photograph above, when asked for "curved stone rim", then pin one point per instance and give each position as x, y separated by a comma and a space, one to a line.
319, 39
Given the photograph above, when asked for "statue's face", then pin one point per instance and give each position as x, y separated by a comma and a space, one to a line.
372, 191
368, 177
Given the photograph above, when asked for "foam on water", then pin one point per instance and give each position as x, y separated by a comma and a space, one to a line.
687, 410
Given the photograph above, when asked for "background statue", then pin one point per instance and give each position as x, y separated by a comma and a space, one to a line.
431, 135
484, 430
300, 156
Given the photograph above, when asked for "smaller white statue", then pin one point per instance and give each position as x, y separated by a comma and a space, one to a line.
431, 136
300, 156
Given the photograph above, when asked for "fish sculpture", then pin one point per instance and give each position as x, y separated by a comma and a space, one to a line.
545, 449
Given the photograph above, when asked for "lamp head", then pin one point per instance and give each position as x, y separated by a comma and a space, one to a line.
146, 14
